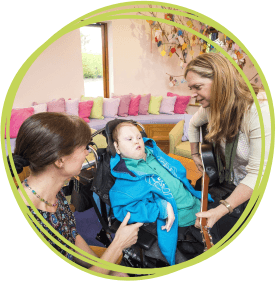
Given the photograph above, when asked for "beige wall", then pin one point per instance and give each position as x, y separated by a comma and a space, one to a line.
136, 66
56, 73
140, 68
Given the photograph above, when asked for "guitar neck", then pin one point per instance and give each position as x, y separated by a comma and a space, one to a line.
204, 192
206, 235
204, 196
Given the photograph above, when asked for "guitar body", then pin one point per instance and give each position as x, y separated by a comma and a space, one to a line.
209, 162
208, 157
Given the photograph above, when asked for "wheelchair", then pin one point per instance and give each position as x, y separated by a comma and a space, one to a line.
145, 253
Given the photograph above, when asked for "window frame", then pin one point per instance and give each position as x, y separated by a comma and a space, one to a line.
105, 61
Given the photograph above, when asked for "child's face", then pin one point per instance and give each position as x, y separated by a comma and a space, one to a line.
130, 143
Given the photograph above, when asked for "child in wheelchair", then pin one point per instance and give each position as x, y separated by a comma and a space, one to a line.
152, 187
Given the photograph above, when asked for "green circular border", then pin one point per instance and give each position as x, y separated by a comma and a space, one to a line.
23, 69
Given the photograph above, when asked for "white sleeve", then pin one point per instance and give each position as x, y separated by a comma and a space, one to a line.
255, 143
200, 118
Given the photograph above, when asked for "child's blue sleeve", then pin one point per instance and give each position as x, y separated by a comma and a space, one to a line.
145, 211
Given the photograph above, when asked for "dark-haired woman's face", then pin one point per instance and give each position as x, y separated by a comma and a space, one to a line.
72, 163
200, 87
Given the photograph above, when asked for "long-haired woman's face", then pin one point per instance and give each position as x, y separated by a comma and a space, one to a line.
200, 87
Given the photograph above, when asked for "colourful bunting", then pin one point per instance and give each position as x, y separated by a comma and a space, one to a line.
184, 46
169, 17
163, 53
189, 23
185, 41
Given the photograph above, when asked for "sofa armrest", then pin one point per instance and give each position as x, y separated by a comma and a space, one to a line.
175, 135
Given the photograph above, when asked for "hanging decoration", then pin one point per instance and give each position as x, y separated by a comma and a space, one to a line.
178, 42
173, 81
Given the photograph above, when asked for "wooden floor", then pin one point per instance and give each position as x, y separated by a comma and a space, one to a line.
193, 174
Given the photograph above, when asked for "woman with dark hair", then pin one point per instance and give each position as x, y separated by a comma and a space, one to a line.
233, 127
54, 146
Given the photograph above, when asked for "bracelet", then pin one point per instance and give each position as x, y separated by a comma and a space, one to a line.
227, 205
195, 153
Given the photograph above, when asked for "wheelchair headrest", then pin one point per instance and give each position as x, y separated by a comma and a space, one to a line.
111, 125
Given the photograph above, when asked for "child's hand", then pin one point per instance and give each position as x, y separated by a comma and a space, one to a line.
170, 218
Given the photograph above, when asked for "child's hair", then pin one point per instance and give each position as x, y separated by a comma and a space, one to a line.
45, 137
115, 132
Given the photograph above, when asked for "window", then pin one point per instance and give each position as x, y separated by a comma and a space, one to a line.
94, 48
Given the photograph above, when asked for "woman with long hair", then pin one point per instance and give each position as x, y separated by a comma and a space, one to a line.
54, 146
234, 129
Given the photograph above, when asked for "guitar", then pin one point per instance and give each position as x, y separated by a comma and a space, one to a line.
209, 172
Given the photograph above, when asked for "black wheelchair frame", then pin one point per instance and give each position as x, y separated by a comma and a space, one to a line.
145, 253
135, 255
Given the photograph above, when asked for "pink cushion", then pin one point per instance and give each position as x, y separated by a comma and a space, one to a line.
18, 116
167, 105
56, 105
85, 109
110, 107
181, 103
72, 107
41, 107
124, 104
134, 105
144, 104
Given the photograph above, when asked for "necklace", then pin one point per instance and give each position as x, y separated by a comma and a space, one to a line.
38, 196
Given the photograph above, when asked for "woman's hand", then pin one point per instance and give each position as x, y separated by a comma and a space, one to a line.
240, 195
198, 161
170, 219
212, 216
127, 235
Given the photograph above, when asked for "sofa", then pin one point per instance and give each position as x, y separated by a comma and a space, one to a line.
177, 146
179, 139
156, 126
157, 114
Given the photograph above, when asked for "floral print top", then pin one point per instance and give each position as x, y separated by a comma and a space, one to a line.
63, 221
